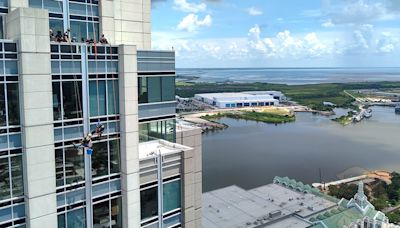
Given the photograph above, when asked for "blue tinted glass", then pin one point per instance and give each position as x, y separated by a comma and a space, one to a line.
15, 140
171, 196
76, 219
60, 200
57, 134
4, 3
11, 67
5, 214
100, 189
113, 98
78, 9
73, 132
3, 142
19, 211
172, 221
115, 185
53, 6
75, 196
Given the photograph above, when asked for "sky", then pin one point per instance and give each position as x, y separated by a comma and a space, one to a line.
278, 33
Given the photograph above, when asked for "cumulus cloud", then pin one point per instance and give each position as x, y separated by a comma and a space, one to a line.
192, 22
285, 45
185, 6
254, 11
258, 48
356, 12
387, 43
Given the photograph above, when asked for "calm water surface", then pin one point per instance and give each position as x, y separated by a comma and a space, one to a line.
250, 154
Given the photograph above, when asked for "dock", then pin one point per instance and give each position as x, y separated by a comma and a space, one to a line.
378, 174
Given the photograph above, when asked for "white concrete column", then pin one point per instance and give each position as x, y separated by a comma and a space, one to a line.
30, 29
107, 25
14, 4
133, 22
192, 178
129, 136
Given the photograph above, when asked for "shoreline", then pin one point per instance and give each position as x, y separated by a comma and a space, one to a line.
208, 124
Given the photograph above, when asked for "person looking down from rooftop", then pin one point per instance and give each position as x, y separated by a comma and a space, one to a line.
103, 39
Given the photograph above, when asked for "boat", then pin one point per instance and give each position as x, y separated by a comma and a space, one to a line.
397, 109
368, 113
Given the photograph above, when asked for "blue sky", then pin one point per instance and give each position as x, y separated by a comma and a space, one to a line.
279, 33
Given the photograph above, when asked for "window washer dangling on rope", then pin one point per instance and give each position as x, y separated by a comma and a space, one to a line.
86, 142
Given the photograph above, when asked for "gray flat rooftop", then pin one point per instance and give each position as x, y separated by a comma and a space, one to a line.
271, 205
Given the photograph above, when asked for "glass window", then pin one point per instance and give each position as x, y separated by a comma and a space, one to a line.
116, 213
35, 3
59, 167
72, 99
112, 66
97, 98
13, 103
154, 89
170, 130
53, 6
100, 159
143, 132
3, 113
101, 214
171, 196
158, 130
74, 165
76, 218
71, 67
4, 3
114, 156
1, 25
56, 25
168, 88
15, 140
78, 30
78, 9
142, 87
148, 203
4, 179
56, 101
93, 30
11, 67
113, 97
16, 173
61, 221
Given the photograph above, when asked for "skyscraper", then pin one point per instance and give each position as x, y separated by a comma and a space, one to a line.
58, 85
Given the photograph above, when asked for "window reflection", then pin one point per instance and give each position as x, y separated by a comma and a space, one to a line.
148, 203
13, 104
101, 215
165, 129
16, 173
116, 213
114, 156
4, 179
56, 101
156, 89
74, 165
72, 99
171, 196
100, 159
3, 113
76, 219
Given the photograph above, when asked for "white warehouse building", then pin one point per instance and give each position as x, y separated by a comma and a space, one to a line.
237, 100
275, 94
